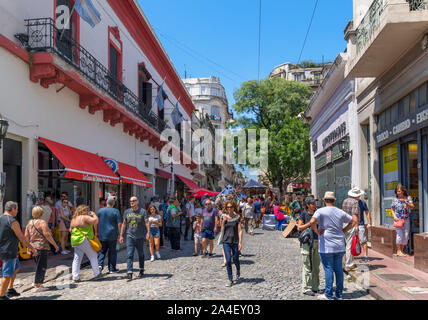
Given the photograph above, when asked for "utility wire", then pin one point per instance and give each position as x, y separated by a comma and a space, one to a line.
172, 39
195, 56
307, 32
260, 37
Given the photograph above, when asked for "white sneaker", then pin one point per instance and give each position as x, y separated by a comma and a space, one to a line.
41, 289
157, 255
65, 252
152, 259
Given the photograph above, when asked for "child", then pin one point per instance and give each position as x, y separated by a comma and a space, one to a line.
197, 226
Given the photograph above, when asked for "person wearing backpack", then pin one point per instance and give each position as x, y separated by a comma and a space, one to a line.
173, 223
328, 222
310, 255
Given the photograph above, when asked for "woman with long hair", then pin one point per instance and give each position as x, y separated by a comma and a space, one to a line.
232, 240
401, 208
155, 222
82, 230
65, 213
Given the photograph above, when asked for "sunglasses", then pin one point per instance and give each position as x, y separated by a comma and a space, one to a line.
133, 201
229, 207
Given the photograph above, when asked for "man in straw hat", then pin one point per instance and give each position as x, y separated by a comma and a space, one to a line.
328, 222
351, 206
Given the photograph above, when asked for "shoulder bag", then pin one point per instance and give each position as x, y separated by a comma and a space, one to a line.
400, 222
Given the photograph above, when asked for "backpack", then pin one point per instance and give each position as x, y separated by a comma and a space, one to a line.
356, 246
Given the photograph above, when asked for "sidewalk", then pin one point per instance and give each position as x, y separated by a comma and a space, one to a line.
392, 279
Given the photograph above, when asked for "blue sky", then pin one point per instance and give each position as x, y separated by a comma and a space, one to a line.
220, 38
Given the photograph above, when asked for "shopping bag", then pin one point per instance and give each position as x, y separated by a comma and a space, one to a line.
356, 246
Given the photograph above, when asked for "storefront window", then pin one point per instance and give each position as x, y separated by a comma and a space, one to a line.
422, 95
389, 180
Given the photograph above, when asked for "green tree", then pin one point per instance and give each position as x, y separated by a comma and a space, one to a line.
275, 104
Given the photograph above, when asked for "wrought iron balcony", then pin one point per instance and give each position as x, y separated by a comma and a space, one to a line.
416, 5
43, 36
369, 23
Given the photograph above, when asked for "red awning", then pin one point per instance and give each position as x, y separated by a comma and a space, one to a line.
192, 185
132, 175
163, 174
81, 165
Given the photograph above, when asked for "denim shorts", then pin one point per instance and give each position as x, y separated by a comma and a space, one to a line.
155, 232
208, 234
10, 266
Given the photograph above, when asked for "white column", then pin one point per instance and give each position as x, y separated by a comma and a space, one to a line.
29, 176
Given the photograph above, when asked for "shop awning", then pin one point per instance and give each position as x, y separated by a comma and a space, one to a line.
163, 174
189, 183
81, 165
132, 175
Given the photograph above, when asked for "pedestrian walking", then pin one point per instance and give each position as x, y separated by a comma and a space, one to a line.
155, 222
65, 215
197, 229
363, 228
110, 222
351, 206
82, 230
39, 235
248, 213
310, 254
401, 208
165, 207
257, 211
173, 223
159, 207
136, 230
232, 241
328, 223
209, 228
279, 215
190, 218
296, 206
10, 235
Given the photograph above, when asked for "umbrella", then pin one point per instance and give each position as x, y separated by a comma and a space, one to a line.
254, 185
203, 193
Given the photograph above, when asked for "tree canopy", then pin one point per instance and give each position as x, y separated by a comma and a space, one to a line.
275, 104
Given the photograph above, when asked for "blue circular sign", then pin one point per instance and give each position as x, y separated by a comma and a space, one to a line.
112, 164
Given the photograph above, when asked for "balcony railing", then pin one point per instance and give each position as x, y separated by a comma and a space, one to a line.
371, 20
369, 23
416, 5
43, 36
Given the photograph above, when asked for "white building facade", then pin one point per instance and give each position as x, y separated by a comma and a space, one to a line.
75, 98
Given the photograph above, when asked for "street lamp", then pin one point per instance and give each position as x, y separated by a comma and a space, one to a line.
4, 125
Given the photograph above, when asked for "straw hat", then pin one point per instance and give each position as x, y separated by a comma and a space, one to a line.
329, 195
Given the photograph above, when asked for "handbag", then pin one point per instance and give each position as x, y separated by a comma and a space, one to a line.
400, 222
356, 246
95, 243
220, 238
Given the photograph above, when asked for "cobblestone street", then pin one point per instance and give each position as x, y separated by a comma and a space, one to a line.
270, 270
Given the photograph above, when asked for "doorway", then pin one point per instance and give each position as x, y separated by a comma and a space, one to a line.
12, 166
410, 179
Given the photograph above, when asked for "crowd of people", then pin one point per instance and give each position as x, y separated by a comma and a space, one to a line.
325, 233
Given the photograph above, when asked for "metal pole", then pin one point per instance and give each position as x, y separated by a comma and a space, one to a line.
68, 23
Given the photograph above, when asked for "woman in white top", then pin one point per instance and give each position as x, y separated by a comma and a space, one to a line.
155, 222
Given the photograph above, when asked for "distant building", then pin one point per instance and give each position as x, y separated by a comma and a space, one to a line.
291, 72
212, 108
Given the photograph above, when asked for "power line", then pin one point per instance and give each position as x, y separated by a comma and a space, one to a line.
186, 47
307, 32
260, 37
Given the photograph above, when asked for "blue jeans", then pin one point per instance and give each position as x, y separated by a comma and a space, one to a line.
110, 247
332, 263
131, 245
279, 223
229, 250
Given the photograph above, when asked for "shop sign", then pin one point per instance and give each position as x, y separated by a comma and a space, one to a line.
401, 127
114, 166
91, 178
382, 137
390, 176
335, 135
422, 116
320, 162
